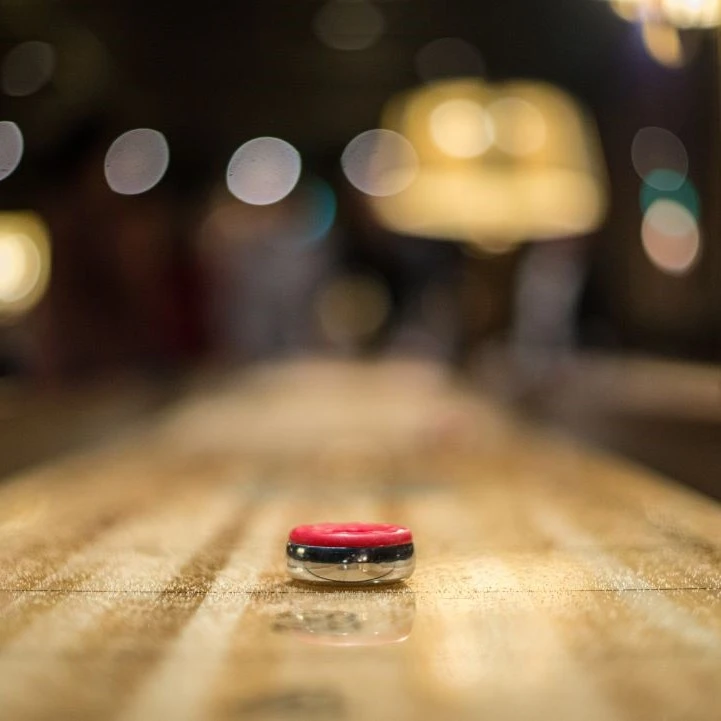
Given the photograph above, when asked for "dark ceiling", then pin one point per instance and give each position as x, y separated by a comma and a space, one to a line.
212, 74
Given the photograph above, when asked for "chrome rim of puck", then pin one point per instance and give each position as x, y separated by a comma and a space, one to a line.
331, 564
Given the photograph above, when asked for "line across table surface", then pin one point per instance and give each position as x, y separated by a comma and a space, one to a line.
147, 580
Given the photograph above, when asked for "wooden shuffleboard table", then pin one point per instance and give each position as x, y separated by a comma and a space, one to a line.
146, 579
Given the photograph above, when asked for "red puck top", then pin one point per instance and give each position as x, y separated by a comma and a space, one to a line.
351, 535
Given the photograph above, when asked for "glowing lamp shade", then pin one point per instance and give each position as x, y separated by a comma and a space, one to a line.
680, 13
24, 262
497, 164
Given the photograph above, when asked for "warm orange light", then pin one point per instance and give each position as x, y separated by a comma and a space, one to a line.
626, 9
24, 262
352, 308
461, 128
663, 44
681, 13
520, 128
497, 163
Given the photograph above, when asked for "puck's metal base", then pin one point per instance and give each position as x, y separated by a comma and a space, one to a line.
358, 566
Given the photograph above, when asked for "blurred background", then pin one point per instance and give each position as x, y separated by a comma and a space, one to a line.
524, 192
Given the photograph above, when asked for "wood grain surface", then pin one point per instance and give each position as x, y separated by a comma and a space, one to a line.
146, 580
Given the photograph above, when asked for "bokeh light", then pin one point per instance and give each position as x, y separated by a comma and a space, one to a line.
380, 162
684, 194
84, 68
461, 128
353, 308
658, 149
680, 13
663, 44
665, 180
626, 9
519, 126
19, 267
671, 237
449, 58
693, 13
24, 262
544, 179
263, 171
11, 148
319, 210
27, 68
136, 161
347, 25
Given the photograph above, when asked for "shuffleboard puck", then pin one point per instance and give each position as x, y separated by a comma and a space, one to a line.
350, 553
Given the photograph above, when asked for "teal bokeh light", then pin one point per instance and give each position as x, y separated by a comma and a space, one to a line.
665, 180
670, 185
319, 210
